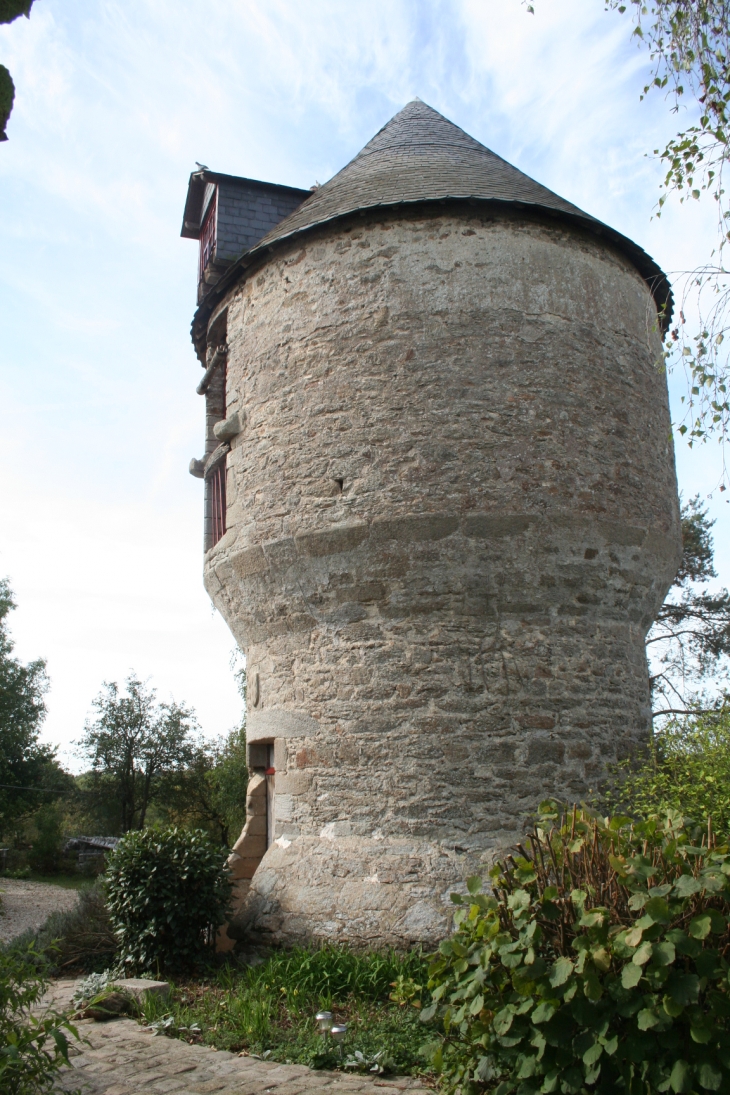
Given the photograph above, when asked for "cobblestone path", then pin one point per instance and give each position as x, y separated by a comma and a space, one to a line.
122, 1058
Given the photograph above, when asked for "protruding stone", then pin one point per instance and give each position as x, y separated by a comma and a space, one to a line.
229, 427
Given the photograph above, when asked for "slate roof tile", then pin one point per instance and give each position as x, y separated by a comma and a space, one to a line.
420, 156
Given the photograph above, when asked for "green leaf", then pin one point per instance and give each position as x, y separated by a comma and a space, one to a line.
474, 885
684, 988
503, 1020
700, 1034
592, 1055
643, 954
543, 1012
663, 954
687, 886
710, 1077
680, 1079
633, 937
718, 923
647, 1018
631, 975
658, 909
592, 986
700, 927
560, 972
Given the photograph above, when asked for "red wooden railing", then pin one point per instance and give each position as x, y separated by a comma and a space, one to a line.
217, 488
208, 236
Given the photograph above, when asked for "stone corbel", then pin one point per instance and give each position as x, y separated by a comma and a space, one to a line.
219, 358
197, 468
229, 427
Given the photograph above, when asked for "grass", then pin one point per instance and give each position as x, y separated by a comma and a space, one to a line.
268, 1010
66, 881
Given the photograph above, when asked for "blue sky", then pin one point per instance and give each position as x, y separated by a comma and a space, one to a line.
100, 522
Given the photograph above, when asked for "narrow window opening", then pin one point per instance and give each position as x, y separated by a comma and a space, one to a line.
208, 237
217, 489
270, 796
215, 410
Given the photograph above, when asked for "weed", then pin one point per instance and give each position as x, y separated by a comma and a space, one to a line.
268, 1010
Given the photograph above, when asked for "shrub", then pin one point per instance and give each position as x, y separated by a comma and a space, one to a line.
598, 964
687, 768
32, 1047
167, 894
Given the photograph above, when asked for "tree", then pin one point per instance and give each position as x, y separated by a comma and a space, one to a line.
133, 744
9, 11
686, 768
689, 47
26, 767
211, 790
690, 639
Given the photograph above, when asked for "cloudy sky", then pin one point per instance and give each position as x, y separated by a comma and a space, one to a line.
100, 523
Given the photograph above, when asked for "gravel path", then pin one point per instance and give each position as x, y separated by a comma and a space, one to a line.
29, 904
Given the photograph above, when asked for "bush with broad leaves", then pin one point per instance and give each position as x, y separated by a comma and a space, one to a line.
167, 893
599, 963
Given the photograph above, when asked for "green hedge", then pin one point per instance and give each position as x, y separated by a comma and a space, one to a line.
598, 964
167, 894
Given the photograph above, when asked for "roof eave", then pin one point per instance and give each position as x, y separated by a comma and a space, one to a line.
653, 275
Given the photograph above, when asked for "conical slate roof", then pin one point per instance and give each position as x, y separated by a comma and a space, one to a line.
420, 156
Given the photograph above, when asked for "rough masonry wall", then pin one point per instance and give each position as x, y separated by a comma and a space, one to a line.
452, 518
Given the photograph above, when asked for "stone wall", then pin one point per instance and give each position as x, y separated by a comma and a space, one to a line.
452, 518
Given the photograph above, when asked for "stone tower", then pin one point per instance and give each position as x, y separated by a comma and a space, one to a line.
442, 514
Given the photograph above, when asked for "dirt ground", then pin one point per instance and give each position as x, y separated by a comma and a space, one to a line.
28, 904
